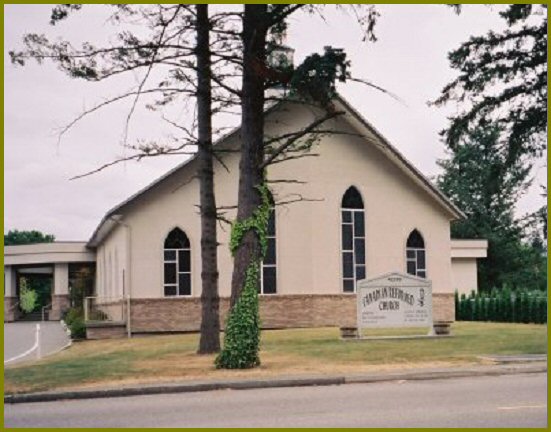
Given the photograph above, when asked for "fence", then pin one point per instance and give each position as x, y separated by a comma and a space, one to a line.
521, 306
105, 309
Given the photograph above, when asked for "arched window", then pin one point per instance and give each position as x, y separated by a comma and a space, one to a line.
110, 275
268, 279
177, 264
415, 255
116, 274
353, 239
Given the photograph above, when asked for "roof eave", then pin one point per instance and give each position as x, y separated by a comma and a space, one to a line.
454, 211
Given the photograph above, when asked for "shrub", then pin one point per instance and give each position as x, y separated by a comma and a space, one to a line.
471, 310
522, 306
27, 297
543, 310
506, 306
457, 305
485, 308
77, 328
463, 308
497, 309
474, 309
494, 302
73, 314
529, 309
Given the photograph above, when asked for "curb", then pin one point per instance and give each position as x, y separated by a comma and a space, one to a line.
271, 383
68, 332
448, 374
171, 388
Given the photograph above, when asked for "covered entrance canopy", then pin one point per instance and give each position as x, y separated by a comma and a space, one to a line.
42, 258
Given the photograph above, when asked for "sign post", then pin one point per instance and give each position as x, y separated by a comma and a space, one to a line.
394, 300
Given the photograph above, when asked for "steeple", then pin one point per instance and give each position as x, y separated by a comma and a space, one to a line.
281, 55
280, 62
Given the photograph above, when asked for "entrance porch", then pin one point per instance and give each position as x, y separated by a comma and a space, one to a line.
50, 260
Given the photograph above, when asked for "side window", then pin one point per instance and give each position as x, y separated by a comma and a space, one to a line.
415, 255
352, 239
177, 264
268, 278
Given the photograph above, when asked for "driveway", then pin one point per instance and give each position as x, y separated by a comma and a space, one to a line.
20, 338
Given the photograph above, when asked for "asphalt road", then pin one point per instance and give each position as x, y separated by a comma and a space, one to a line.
502, 401
20, 337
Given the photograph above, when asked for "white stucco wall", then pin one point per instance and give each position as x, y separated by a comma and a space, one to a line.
464, 275
112, 275
464, 255
48, 253
10, 288
308, 233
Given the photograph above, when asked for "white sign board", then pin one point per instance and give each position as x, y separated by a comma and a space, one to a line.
394, 300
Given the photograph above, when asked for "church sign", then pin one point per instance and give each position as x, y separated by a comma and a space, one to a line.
394, 300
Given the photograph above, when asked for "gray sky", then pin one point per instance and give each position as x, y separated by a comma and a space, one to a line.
409, 59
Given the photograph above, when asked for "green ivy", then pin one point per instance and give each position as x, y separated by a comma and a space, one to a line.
257, 222
242, 334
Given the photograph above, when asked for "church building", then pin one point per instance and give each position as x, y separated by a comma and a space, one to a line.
355, 208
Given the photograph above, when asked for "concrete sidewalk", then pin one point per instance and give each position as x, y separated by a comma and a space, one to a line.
282, 381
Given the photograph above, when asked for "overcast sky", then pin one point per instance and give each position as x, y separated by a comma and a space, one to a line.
409, 59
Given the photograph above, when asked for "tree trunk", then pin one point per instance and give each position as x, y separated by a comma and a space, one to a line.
210, 319
252, 135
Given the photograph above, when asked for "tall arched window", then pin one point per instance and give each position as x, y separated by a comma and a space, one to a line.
415, 255
110, 275
268, 278
177, 264
353, 239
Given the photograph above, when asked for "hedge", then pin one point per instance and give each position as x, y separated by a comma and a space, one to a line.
505, 305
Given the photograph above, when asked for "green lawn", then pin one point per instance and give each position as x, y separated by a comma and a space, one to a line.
284, 352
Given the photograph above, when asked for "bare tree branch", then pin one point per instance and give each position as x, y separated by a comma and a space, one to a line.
279, 150
299, 198
299, 156
158, 151
376, 87
149, 69
276, 181
118, 98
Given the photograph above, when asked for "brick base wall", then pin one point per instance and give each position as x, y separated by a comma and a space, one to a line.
11, 311
278, 311
443, 307
105, 331
60, 304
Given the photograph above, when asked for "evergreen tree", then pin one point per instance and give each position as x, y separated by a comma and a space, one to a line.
504, 78
479, 180
16, 237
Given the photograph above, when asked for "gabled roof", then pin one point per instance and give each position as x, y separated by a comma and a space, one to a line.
399, 159
111, 218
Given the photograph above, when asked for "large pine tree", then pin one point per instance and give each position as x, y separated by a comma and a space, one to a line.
486, 187
503, 81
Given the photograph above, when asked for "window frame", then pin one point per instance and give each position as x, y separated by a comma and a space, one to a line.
176, 262
415, 259
274, 266
352, 211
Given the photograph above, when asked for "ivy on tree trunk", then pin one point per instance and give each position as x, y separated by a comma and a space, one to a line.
242, 336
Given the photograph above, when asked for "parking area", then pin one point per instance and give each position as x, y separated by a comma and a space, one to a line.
21, 342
